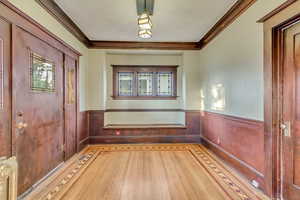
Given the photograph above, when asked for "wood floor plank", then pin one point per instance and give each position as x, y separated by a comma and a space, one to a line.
154, 172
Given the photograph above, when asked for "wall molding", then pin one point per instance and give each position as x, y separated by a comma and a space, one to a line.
248, 171
238, 141
276, 10
60, 44
144, 139
52, 8
237, 118
144, 45
144, 110
234, 12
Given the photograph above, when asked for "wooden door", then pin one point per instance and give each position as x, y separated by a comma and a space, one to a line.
291, 113
38, 120
70, 106
5, 86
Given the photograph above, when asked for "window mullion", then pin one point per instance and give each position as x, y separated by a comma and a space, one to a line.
135, 84
154, 83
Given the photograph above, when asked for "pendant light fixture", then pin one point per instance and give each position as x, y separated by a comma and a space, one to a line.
144, 10
144, 21
145, 33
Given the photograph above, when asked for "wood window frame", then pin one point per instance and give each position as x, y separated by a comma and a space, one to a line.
143, 68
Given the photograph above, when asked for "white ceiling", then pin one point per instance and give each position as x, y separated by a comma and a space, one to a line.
174, 20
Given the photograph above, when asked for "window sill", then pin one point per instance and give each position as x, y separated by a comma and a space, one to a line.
144, 98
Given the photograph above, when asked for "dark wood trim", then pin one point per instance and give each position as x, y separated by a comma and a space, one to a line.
277, 10
57, 42
235, 118
237, 140
144, 110
246, 170
144, 45
235, 11
144, 139
143, 98
273, 27
52, 8
147, 110
135, 69
83, 143
159, 67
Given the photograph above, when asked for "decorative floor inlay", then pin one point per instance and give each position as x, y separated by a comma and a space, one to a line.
148, 171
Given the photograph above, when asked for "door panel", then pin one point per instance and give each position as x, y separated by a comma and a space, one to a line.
291, 113
70, 106
5, 101
38, 121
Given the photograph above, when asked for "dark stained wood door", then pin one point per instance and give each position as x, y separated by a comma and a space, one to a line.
291, 114
38, 118
5, 86
70, 106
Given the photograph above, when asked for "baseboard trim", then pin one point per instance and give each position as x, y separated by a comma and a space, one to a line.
246, 170
83, 143
144, 139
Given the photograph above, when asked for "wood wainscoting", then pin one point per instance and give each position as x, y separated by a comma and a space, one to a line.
238, 141
83, 130
100, 135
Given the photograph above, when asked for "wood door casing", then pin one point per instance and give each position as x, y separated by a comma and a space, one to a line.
38, 147
5, 86
70, 106
291, 113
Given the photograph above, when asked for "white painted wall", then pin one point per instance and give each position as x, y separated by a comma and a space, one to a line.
232, 66
100, 85
34, 10
224, 77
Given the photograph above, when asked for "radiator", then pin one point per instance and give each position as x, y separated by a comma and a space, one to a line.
8, 178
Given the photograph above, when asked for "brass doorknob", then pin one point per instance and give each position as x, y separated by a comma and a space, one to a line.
21, 125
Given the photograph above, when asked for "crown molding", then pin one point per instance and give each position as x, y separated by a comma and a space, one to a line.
235, 11
144, 45
277, 10
52, 8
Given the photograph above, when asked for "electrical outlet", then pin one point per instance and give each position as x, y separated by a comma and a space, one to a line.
255, 183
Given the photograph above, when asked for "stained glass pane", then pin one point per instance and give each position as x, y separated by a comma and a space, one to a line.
145, 84
165, 83
42, 74
125, 83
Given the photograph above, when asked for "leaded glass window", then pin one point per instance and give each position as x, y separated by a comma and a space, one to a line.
42, 73
165, 84
125, 83
145, 83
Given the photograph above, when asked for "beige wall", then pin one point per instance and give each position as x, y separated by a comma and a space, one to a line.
224, 77
232, 66
31, 8
100, 85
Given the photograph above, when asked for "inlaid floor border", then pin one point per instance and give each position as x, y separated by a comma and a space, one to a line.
229, 182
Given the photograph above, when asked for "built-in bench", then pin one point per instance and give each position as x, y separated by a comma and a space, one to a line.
144, 126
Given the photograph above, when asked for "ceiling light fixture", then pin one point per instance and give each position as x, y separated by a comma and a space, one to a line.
145, 33
144, 21
144, 10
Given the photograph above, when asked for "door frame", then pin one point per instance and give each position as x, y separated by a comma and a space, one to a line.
274, 25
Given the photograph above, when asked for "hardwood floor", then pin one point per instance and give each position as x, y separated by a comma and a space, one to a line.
145, 172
